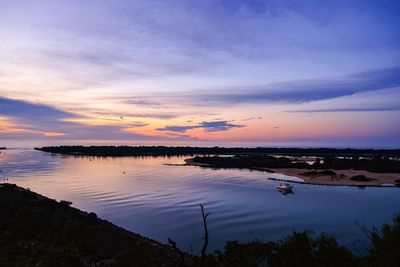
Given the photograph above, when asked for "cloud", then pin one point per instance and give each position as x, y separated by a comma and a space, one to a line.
138, 124
42, 120
216, 126
179, 136
142, 102
137, 101
31, 111
216, 38
154, 115
252, 118
35, 118
296, 92
303, 91
178, 128
344, 110
208, 126
292, 92
54, 134
38, 120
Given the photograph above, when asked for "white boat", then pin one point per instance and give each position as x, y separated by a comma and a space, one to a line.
284, 186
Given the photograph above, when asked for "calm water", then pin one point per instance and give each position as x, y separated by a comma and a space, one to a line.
161, 201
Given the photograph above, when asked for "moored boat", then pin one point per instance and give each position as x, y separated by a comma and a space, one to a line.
284, 186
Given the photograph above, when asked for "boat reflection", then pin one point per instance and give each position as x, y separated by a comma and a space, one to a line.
285, 188
285, 192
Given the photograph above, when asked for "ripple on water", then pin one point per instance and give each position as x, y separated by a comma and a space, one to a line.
162, 201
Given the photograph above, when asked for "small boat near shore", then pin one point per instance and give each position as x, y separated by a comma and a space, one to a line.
284, 186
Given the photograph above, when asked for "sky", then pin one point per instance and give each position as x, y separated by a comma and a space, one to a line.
210, 72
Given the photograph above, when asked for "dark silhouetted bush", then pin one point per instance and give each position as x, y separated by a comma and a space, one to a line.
361, 178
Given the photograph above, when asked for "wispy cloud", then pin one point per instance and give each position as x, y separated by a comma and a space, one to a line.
252, 118
179, 136
154, 115
138, 124
208, 126
303, 91
42, 120
142, 102
31, 111
344, 110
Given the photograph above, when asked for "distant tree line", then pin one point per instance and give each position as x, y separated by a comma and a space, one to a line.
250, 162
188, 150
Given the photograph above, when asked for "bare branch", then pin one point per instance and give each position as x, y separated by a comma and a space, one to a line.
205, 238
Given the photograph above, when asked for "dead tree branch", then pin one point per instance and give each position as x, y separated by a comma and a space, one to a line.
205, 238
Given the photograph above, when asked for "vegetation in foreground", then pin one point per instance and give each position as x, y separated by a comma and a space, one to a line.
37, 231
169, 150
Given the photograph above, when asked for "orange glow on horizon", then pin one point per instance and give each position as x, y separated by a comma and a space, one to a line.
54, 134
7, 126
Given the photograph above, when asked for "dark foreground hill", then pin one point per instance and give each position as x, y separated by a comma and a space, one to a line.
38, 231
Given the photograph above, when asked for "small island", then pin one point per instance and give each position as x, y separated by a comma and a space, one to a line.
351, 171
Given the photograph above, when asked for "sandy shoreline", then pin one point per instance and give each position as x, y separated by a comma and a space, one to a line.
340, 178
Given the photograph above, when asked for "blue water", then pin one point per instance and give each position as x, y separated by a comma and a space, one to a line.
161, 201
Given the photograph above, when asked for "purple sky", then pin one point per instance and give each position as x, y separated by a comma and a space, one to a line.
292, 73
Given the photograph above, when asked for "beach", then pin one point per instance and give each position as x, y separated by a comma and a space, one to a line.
326, 177
342, 177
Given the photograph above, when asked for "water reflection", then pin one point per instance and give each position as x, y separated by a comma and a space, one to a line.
23, 161
159, 198
285, 192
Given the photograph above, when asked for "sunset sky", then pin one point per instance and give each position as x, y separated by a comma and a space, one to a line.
222, 72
